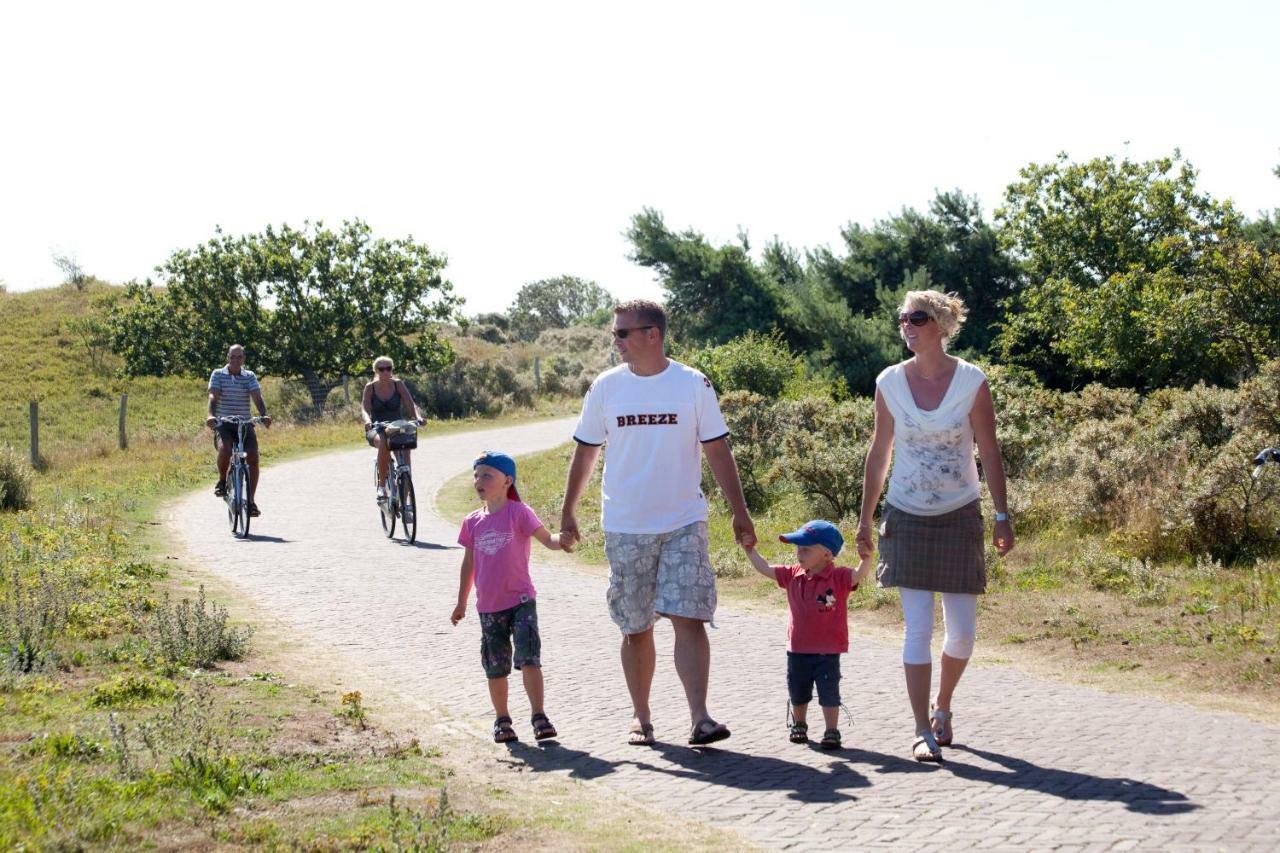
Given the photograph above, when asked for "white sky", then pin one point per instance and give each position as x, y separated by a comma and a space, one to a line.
519, 138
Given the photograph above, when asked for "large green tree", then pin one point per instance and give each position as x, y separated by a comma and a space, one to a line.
1118, 256
714, 294
951, 241
557, 303
309, 303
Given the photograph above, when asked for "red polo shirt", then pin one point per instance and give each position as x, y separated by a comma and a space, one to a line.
819, 621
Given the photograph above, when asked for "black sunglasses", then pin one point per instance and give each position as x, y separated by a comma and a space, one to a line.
915, 318
622, 333
383, 367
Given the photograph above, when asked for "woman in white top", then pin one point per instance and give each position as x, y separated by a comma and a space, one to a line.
933, 408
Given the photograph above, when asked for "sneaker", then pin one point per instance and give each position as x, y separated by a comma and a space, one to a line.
254, 512
220, 490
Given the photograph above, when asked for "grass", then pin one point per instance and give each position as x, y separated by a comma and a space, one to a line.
1061, 603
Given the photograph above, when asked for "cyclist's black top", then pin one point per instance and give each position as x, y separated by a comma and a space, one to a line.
386, 410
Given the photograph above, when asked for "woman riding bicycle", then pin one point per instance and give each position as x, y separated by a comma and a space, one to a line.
384, 400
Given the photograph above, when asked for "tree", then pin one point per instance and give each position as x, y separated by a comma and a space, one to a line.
313, 304
72, 273
960, 251
713, 294
1112, 252
557, 303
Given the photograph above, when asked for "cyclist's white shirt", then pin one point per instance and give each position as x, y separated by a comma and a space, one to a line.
653, 426
234, 391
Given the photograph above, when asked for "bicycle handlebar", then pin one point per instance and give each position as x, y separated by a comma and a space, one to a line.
239, 419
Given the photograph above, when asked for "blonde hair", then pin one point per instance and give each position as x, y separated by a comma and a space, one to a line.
946, 309
383, 359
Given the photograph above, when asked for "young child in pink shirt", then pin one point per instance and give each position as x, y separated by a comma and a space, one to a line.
818, 629
497, 542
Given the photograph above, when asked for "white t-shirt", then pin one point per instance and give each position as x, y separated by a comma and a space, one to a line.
653, 426
934, 470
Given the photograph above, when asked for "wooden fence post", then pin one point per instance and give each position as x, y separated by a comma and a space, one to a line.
124, 436
346, 389
537, 373
35, 434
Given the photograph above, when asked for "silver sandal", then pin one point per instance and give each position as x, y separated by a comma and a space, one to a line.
926, 738
943, 717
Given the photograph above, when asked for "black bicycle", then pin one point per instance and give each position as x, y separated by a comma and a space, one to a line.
237, 494
395, 495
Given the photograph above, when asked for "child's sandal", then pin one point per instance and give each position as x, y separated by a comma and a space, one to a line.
799, 732
542, 728
830, 739
502, 731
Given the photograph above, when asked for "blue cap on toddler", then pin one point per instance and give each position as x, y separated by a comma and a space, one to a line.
501, 462
816, 532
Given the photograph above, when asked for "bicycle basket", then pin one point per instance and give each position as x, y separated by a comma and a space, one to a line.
402, 435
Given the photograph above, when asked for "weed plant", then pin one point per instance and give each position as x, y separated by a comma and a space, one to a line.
194, 634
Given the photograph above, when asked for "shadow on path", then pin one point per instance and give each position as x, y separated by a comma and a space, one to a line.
763, 773
430, 546
549, 755
1136, 796
254, 537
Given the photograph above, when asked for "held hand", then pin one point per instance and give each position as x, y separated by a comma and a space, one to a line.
367, 426
569, 535
865, 546
565, 542
744, 531
459, 613
266, 421
211, 422
1002, 537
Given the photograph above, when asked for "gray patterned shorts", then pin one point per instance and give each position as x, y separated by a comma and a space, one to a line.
667, 574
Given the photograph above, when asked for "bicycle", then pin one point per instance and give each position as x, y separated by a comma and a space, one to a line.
396, 498
237, 494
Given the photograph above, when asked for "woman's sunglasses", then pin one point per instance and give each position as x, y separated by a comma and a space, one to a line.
383, 367
915, 318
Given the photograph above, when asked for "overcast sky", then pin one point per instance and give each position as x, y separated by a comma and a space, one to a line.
520, 138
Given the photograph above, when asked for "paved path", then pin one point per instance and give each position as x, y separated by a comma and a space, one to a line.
1038, 765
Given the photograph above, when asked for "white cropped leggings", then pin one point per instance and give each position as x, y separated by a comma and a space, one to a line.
959, 615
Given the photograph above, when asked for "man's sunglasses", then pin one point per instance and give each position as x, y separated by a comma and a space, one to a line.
622, 333
915, 318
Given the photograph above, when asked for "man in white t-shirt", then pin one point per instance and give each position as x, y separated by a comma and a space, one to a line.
658, 417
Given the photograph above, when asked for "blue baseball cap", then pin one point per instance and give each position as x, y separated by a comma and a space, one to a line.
816, 532
500, 462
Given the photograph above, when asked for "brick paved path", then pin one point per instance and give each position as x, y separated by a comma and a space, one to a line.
1037, 764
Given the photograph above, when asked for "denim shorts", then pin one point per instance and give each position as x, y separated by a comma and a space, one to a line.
497, 632
806, 670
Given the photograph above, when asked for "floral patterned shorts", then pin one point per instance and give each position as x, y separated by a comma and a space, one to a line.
660, 574
499, 629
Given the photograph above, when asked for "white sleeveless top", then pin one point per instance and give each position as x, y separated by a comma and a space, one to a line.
934, 470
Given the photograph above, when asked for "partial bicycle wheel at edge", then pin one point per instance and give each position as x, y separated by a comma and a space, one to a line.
238, 490
408, 508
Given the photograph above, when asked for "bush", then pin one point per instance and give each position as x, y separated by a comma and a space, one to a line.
466, 388
826, 463
1222, 510
15, 480
195, 634
756, 438
33, 616
762, 364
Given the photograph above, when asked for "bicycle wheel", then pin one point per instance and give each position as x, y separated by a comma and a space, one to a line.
241, 501
408, 507
233, 518
387, 507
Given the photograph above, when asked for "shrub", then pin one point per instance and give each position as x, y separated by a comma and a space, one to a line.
1222, 510
826, 463
33, 616
468, 387
1098, 402
131, 688
756, 438
1027, 417
1260, 399
763, 364
195, 634
1203, 418
15, 480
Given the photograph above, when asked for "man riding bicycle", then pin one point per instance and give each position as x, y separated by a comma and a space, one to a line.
383, 401
230, 388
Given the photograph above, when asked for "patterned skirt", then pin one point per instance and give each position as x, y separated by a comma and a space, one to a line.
942, 553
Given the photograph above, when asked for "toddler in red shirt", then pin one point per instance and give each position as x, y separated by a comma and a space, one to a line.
818, 628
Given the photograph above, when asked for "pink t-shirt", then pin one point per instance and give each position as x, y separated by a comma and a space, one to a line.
819, 623
499, 544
